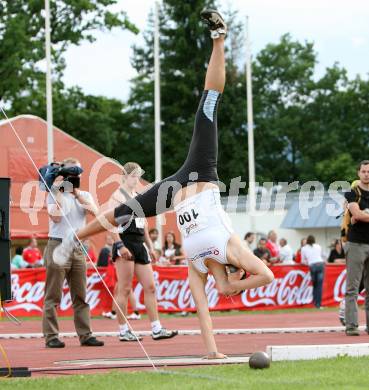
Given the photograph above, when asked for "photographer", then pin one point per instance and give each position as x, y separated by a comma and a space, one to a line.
67, 209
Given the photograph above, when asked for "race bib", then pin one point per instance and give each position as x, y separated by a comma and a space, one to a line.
191, 219
140, 223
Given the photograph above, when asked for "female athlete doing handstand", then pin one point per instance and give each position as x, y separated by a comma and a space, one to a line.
207, 236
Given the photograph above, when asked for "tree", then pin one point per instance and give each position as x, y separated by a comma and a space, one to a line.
340, 116
307, 129
95, 120
22, 38
283, 86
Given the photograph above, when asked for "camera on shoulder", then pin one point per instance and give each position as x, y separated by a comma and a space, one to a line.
70, 173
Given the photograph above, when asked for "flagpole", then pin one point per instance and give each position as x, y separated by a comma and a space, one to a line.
158, 173
250, 130
49, 98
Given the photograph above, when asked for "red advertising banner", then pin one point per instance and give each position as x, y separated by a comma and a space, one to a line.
291, 288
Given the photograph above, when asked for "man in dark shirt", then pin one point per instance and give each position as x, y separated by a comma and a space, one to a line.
105, 253
262, 252
357, 249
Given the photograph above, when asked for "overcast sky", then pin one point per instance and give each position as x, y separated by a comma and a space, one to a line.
339, 29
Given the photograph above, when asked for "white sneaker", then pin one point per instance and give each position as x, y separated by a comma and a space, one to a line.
109, 314
63, 251
129, 336
164, 334
134, 316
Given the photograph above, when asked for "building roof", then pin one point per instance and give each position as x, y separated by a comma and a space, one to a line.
302, 211
302, 215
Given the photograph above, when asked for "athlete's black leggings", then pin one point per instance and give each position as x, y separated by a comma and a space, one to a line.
200, 166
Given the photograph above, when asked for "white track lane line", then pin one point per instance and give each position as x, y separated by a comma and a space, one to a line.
194, 332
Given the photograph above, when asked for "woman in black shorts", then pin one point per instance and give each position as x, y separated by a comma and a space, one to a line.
136, 261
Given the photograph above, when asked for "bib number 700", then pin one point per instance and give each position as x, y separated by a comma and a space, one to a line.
187, 216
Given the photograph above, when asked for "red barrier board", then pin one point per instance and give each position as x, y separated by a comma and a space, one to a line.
291, 288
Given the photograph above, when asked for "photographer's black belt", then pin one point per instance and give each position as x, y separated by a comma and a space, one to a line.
55, 239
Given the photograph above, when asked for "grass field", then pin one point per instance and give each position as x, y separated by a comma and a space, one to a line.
341, 373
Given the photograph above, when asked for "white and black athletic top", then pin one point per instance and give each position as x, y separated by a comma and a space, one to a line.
133, 230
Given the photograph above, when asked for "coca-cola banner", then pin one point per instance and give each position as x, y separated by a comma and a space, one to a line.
290, 288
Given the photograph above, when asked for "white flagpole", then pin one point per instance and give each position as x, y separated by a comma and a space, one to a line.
250, 129
49, 97
158, 173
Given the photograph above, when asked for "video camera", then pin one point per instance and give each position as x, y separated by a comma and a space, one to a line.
49, 173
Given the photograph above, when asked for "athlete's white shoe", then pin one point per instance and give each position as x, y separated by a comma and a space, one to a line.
129, 336
134, 316
215, 22
62, 252
164, 334
109, 314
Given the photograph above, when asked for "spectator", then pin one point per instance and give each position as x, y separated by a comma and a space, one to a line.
249, 239
89, 248
285, 253
105, 253
311, 254
110, 278
154, 235
262, 252
337, 254
273, 247
298, 252
67, 210
172, 251
32, 255
17, 261
357, 249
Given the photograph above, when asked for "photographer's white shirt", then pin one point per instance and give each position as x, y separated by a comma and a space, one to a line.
73, 211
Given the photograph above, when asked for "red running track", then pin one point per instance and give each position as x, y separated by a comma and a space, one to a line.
33, 354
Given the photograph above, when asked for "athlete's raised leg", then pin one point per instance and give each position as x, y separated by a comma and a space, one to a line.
215, 74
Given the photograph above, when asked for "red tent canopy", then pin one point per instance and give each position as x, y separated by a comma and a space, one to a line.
101, 177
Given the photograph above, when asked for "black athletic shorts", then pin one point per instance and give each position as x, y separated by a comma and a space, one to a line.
137, 249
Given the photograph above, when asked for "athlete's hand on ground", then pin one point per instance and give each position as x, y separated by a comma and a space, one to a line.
215, 355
